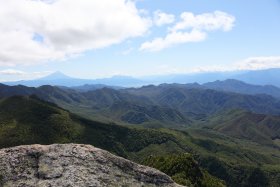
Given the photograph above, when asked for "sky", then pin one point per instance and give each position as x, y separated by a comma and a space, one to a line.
95, 39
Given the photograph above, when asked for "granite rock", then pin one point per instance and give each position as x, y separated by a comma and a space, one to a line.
73, 165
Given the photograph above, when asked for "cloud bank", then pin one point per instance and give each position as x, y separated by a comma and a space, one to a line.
11, 72
33, 31
248, 64
8, 75
258, 63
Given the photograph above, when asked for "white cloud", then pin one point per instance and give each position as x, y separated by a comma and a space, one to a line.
208, 21
258, 63
11, 72
33, 31
161, 18
191, 28
173, 38
252, 63
16, 75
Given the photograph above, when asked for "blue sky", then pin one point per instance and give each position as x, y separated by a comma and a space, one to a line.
248, 39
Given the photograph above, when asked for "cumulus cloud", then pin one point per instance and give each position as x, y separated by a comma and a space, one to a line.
161, 18
191, 28
173, 38
209, 21
33, 31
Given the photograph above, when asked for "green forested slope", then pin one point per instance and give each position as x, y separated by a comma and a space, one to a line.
261, 128
29, 120
184, 170
238, 160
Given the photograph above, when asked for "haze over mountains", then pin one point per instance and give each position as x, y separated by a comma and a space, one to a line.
256, 77
60, 79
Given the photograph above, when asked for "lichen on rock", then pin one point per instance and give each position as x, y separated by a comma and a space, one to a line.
73, 165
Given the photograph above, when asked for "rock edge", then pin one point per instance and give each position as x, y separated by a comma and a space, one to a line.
73, 165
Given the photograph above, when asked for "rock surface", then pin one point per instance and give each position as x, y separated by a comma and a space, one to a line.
73, 165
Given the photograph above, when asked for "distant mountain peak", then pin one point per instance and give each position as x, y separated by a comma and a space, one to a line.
56, 76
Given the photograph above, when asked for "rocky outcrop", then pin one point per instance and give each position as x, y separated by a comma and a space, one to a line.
73, 165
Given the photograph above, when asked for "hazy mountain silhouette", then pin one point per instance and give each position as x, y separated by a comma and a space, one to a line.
257, 77
231, 85
60, 79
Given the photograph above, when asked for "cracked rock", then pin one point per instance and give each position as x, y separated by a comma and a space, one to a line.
73, 165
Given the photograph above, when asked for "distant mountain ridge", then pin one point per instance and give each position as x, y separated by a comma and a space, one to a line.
200, 101
261, 77
232, 85
60, 79
256, 77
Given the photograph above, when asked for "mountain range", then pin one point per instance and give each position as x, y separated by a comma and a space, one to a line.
170, 105
232, 85
256, 77
253, 117
29, 120
230, 128
60, 79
